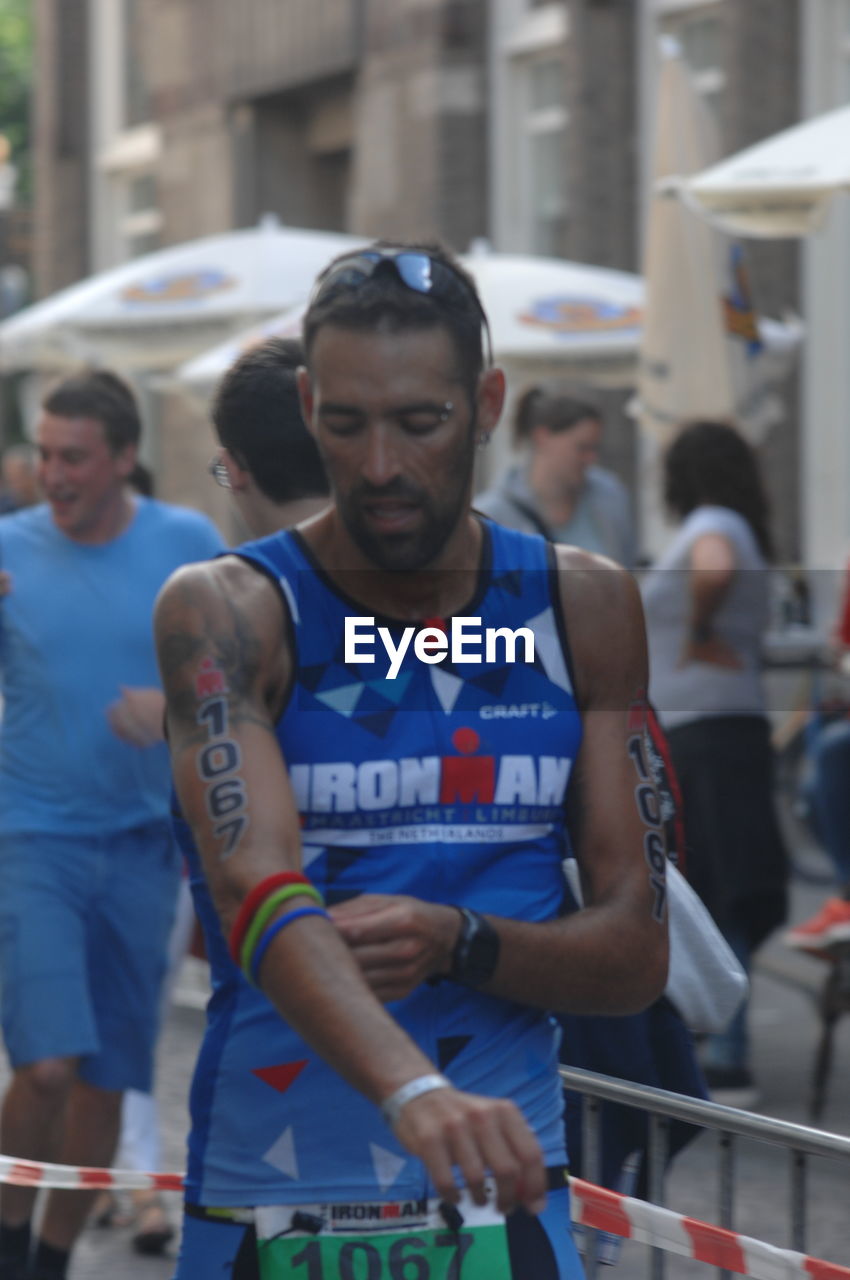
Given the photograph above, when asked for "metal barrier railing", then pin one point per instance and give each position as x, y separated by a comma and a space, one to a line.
798, 1140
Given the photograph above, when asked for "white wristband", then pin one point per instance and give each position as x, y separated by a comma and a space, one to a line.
391, 1107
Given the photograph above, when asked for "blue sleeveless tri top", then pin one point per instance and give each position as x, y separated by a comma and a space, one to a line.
447, 783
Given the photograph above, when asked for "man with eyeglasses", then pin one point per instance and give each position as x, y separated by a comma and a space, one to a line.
379, 860
88, 865
268, 459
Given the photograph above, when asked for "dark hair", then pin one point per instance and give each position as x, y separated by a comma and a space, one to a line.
711, 463
385, 302
141, 479
257, 416
552, 408
102, 395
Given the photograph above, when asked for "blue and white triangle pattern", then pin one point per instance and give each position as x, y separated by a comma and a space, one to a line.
281, 1154
548, 650
386, 1164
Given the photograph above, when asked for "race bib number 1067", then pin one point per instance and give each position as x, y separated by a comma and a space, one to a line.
475, 1252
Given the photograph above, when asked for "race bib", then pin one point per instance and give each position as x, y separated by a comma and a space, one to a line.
424, 1250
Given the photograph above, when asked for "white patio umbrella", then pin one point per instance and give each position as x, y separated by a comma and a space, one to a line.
704, 352
155, 312
782, 186
546, 316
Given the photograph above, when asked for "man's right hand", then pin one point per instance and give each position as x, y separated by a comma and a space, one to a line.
5, 583
480, 1137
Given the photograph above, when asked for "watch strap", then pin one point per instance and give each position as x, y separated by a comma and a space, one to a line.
476, 952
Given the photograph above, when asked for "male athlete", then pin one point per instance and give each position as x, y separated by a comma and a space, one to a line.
372, 841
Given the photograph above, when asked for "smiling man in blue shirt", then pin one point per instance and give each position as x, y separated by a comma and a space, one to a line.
88, 868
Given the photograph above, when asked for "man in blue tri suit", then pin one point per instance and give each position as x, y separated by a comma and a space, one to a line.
374, 767
88, 864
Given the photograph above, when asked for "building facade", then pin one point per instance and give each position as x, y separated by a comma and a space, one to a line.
525, 122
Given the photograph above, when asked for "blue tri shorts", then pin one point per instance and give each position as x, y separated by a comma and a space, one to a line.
541, 1248
84, 925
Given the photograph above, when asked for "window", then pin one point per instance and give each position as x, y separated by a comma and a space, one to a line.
137, 103
126, 143
528, 126
698, 29
544, 181
301, 157
141, 220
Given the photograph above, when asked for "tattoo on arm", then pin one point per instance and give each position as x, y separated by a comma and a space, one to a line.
206, 695
649, 810
225, 796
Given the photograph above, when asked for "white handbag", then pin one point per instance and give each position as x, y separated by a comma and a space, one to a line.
705, 980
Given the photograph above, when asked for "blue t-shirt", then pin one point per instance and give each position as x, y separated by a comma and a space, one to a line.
74, 629
447, 783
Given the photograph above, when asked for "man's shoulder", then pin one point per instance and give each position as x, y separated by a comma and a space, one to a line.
601, 607
222, 574
217, 592
591, 585
26, 524
183, 522
579, 563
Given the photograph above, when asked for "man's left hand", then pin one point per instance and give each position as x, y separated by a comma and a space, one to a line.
137, 716
398, 942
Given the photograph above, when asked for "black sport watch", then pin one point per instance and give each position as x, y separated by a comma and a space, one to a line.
476, 952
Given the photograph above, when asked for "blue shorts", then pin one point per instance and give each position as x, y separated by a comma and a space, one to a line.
541, 1248
84, 925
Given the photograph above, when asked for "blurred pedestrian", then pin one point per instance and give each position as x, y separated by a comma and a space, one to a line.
139, 1146
828, 794
707, 604
559, 490
268, 459
19, 477
88, 866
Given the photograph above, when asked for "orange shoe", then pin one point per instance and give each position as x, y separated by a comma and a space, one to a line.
830, 925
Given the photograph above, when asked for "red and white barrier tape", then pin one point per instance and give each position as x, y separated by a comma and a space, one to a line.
29, 1173
592, 1207
650, 1224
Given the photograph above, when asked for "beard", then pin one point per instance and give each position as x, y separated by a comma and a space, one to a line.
439, 512
406, 551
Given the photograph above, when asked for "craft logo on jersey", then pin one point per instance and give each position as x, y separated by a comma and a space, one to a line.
517, 711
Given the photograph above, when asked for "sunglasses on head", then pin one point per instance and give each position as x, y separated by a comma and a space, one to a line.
415, 268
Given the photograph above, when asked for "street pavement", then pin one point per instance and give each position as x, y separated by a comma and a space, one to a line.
785, 1029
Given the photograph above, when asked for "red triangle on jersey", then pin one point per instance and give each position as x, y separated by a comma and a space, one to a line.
282, 1076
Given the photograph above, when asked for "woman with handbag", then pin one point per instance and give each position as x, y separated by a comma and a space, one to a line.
707, 606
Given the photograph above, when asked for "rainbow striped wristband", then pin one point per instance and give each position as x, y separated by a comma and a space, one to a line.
256, 959
266, 910
252, 904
